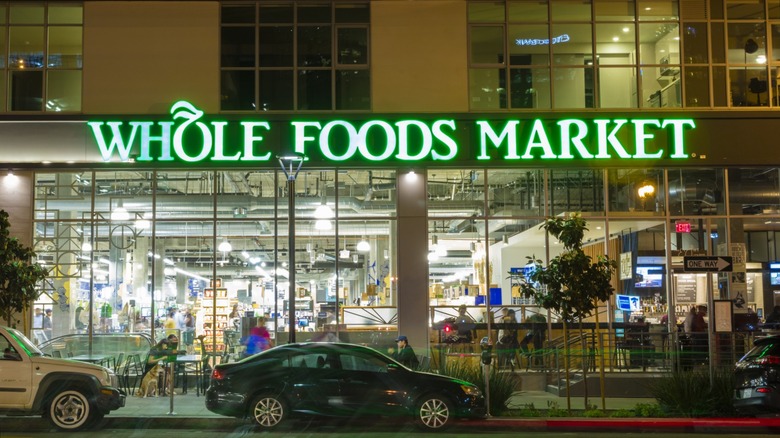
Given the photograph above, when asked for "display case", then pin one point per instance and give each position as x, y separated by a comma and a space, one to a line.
216, 316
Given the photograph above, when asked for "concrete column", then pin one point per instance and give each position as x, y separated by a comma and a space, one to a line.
412, 257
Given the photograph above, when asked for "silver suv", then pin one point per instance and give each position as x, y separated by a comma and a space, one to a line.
72, 395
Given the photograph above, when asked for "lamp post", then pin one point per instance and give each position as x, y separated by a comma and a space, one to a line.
291, 165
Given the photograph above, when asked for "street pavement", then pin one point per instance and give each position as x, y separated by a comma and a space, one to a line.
189, 412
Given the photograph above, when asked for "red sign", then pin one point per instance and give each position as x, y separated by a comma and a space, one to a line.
682, 227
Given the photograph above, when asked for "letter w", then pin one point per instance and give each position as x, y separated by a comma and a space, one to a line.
116, 141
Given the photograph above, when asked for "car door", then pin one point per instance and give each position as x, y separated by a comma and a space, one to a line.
369, 386
15, 376
316, 386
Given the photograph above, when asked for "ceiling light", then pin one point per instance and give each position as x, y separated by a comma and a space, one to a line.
86, 247
225, 246
615, 39
120, 213
432, 256
344, 254
363, 245
323, 211
142, 224
323, 225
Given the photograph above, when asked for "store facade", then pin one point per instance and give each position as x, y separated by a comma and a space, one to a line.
162, 189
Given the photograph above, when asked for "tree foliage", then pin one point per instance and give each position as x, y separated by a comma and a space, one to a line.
19, 274
572, 282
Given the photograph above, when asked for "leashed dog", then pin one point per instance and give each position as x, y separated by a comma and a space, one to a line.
149, 384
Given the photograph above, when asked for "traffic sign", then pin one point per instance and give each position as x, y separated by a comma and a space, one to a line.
707, 264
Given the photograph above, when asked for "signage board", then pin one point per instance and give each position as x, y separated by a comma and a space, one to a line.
707, 264
628, 303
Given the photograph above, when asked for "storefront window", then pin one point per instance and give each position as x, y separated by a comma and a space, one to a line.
745, 185
516, 192
576, 191
636, 191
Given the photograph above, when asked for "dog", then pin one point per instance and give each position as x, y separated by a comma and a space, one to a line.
150, 383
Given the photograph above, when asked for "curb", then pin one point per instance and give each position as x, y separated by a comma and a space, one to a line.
670, 425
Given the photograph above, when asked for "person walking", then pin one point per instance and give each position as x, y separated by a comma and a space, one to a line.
405, 353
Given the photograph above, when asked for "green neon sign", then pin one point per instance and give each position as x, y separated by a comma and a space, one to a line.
191, 137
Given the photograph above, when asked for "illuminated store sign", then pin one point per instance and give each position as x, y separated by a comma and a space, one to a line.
542, 41
190, 137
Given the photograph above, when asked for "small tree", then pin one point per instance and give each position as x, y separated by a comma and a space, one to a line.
572, 283
19, 274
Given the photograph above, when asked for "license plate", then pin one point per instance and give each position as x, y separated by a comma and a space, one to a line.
744, 393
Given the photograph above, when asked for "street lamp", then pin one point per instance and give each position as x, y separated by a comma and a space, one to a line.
291, 165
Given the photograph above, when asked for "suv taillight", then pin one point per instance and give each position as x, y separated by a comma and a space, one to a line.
768, 360
217, 374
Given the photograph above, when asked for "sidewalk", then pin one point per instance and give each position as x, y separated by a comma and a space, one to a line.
189, 412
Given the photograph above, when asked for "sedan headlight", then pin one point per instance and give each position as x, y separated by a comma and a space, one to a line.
471, 390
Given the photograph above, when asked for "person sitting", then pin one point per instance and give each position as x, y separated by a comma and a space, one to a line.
405, 353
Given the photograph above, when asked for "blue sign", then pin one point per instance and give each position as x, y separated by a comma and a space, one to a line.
628, 303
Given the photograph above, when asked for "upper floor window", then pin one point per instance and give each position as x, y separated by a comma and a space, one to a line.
41, 56
295, 56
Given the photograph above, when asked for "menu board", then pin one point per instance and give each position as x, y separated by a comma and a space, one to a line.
685, 286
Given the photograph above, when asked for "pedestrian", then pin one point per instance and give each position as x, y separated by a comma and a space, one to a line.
507, 339
259, 339
774, 317
534, 336
47, 324
188, 335
405, 353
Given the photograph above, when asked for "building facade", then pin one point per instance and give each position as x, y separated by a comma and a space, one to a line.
149, 143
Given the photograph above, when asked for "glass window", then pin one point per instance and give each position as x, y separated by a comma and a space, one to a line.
65, 47
573, 87
775, 42
238, 90
63, 90
352, 46
26, 47
486, 12
659, 43
697, 86
527, 11
658, 10
295, 51
718, 41
636, 191
276, 90
237, 14
572, 44
616, 85
748, 86
516, 192
617, 41
352, 90
745, 183
571, 10
747, 43
573, 190
614, 10
487, 45
696, 192
65, 14
276, 46
529, 45
744, 9
695, 43
487, 88
314, 46
314, 92
26, 13
530, 88
238, 47
25, 90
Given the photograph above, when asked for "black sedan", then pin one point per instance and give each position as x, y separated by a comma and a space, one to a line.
757, 377
337, 380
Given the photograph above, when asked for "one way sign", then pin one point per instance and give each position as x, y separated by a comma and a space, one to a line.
707, 264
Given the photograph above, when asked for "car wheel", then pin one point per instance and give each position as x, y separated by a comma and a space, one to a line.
268, 411
70, 410
433, 412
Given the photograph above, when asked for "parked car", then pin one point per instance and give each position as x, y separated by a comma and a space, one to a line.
337, 380
72, 395
757, 377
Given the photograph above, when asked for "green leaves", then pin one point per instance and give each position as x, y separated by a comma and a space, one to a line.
19, 275
571, 282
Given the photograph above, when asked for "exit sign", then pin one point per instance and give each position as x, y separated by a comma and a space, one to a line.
682, 227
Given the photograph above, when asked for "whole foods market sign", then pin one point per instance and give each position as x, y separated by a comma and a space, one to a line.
191, 137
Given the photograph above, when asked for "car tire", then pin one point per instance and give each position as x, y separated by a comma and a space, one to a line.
433, 412
268, 411
70, 410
